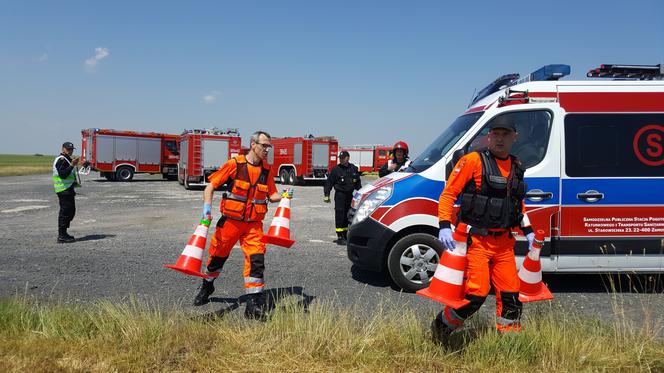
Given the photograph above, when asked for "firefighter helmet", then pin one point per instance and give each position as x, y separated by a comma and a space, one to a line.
400, 145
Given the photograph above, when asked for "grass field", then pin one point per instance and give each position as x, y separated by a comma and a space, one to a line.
110, 336
15, 164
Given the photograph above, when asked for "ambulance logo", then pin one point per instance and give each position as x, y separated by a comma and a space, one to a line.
649, 145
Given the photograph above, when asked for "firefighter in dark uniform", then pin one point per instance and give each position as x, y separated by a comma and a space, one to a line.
64, 182
398, 162
344, 178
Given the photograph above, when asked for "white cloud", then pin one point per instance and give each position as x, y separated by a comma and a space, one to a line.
211, 97
100, 54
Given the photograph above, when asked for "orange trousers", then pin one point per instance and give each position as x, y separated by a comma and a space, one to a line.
249, 234
490, 261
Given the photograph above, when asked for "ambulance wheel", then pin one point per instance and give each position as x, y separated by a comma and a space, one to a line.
413, 261
124, 173
292, 179
283, 176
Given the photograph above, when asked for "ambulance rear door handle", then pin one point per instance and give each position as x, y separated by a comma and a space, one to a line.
590, 196
537, 195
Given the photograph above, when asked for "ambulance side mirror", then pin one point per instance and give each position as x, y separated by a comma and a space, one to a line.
455, 158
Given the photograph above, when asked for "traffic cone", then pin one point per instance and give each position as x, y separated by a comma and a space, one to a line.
192, 256
532, 289
279, 232
447, 285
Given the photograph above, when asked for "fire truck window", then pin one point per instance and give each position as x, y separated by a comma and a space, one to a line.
172, 147
382, 153
606, 145
533, 127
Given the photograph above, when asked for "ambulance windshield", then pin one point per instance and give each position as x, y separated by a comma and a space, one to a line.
444, 142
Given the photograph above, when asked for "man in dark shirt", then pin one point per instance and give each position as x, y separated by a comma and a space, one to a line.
344, 178
64, 182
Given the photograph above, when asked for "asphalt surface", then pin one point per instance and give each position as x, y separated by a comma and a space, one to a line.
126, 231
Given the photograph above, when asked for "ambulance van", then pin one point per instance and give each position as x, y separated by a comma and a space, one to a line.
594, 156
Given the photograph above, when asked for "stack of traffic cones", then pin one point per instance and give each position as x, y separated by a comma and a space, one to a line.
532, 288
447, 285
279, 232
192, 256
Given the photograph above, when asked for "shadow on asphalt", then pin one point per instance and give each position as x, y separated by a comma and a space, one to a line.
377, 279
94, 237
604, 283
273, 297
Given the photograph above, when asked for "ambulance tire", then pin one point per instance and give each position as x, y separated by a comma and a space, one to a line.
124, 173
292, 179
410, 270
283, 176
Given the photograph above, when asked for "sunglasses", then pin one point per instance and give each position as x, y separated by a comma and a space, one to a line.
264, 146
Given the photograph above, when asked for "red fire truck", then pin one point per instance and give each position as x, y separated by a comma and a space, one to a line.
118, 155
297, 159
368, 158
204, 151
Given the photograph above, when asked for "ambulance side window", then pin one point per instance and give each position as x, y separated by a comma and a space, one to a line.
534, 129
614, 145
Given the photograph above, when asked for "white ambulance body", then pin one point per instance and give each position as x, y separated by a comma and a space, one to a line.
594, 152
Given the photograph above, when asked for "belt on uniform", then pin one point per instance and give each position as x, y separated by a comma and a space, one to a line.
485, 232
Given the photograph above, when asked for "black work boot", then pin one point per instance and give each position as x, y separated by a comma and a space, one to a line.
63, 237
440, 332
205, 290
341, 239
256, 307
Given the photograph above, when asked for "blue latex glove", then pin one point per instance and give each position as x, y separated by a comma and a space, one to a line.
207, 211
445, 236
531, 238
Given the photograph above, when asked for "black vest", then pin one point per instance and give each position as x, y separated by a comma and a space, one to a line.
498, 202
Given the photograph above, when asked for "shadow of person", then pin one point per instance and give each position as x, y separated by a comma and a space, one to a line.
377, 279
272, 299
94, 237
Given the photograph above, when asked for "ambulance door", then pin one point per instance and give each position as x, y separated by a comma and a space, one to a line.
537, 148
612, 215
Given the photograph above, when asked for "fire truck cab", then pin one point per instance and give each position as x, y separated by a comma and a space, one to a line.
594, 156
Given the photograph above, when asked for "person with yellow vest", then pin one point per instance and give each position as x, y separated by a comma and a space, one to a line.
64, 182
250, 185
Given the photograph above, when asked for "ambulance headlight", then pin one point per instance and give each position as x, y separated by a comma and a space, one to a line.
371, 203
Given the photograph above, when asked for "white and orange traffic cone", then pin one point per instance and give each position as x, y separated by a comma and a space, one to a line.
279, 232
192, 256
447, 285
532, 289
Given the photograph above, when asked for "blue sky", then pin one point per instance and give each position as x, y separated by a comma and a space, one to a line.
364, 71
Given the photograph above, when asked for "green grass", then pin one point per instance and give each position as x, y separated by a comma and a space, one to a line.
16, 164
133, 336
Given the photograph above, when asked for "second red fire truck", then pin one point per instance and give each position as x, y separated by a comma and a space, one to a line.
368, 158
295, 160
204, 151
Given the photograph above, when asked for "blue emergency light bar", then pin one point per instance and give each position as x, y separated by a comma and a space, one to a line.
548, 72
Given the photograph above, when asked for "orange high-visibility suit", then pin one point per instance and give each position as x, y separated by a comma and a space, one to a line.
243, 208
490, 257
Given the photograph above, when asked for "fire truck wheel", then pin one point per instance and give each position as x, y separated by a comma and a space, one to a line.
413, 261
110, 176
283, 176
292, 179
124, 173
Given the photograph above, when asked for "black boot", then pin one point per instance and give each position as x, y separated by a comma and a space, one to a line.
341, 238
63, 237
440, 332
203, 296
256, 307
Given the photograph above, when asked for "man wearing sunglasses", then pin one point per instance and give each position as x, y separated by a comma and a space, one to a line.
250, 185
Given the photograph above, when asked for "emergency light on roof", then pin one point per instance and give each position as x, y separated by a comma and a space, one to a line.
548, 72
641, 72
